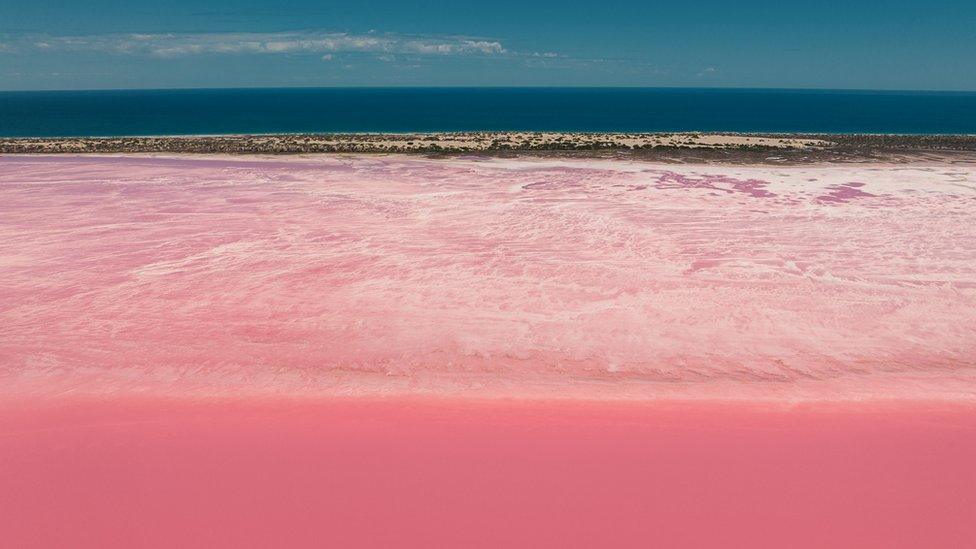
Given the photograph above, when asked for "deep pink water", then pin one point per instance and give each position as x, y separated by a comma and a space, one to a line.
413, 473
251, 352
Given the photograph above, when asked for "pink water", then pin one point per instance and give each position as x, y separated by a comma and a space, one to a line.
408, 473
246, 351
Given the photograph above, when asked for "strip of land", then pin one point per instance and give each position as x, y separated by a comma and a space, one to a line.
664, 147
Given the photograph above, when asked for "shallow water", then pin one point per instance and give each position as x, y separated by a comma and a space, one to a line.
376, 275
392, 351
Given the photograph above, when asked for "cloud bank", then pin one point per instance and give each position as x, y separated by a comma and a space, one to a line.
321, 43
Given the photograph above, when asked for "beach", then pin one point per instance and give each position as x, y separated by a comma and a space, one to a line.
490, 348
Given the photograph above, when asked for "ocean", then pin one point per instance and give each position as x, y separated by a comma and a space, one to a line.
306, 110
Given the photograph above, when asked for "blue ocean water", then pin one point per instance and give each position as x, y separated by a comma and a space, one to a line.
297, 110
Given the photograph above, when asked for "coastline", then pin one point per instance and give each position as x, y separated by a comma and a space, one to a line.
678, 148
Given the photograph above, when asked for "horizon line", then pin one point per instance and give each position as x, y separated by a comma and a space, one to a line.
470, 87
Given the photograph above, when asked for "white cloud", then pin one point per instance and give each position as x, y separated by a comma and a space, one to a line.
326, 43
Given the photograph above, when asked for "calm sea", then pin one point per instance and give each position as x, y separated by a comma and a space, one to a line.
183, 112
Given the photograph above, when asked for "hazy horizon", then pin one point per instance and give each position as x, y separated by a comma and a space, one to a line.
595, 87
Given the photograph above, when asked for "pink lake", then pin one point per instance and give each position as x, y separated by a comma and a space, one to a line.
399, 351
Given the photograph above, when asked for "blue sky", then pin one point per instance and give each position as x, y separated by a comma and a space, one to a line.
94, 44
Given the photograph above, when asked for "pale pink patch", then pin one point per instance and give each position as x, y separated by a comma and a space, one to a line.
377, 275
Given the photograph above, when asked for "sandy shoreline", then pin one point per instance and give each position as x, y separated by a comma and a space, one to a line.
660, 147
